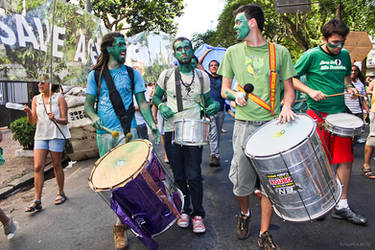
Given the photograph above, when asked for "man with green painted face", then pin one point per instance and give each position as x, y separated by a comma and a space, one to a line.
328, 69
264, 65
112, 57
185, 160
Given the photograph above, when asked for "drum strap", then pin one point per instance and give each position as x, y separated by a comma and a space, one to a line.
273, 79
177, 76
159, 193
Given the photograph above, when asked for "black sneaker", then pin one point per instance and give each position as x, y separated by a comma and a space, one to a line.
349, 215
214, 161
265, 241
243, 223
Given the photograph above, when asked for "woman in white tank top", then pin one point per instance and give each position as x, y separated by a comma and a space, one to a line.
47, 107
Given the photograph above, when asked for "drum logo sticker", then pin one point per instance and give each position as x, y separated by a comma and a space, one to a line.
282, 183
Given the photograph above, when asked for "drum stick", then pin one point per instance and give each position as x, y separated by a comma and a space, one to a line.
345, 93
115, 134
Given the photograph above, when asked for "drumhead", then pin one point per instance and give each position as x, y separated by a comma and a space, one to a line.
344, 120
120, 165
273, 138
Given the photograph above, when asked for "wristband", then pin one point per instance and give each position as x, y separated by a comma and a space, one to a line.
348, 85
160, 105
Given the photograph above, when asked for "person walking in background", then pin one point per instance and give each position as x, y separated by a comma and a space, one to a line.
10, 226
49, 113
359, 104
217, 120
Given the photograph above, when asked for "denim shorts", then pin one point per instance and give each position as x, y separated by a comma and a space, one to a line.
54, 145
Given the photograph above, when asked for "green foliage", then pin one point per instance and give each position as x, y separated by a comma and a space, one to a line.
23, 132
150, 15
296, 31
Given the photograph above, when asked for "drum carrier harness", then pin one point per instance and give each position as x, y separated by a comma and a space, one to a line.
125, 116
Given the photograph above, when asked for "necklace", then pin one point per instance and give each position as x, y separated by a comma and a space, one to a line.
187, 86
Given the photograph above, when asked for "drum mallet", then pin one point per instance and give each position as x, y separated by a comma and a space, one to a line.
115, 134
303, 100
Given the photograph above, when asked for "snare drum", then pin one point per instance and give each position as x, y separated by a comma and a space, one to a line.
344, 125
293, 169
191, 132
143, 195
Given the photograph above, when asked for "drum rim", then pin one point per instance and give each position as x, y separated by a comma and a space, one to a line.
191, 119
131, 177
281, 152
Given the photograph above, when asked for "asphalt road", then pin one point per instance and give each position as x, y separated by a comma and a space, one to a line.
85, 221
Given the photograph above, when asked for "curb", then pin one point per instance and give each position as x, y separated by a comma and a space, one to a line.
27, 180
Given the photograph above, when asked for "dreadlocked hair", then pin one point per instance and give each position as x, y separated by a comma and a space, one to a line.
103, 58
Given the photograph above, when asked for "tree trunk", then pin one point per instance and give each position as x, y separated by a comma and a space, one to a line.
338, 10
88, 6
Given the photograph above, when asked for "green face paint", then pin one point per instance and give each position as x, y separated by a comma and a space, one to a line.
183, 51
334, 46
241, 27
194, 63
118, 49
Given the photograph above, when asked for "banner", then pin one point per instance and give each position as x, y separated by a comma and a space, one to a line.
50, 39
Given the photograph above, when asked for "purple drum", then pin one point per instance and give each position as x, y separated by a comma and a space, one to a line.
142, 193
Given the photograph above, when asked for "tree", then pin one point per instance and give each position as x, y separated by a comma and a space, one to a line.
135, 16
296, 31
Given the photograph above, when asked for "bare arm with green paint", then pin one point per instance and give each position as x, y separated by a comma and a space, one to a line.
145, 110
90, 111
230, 94
165, 111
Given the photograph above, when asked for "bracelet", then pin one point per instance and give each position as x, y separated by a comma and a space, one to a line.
160, 105
348, 85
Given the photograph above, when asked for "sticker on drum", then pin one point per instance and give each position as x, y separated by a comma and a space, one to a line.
273, 138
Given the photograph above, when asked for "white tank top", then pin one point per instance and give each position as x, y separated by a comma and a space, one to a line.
45, 128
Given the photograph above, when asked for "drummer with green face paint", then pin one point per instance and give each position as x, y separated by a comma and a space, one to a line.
185, 104
104, 118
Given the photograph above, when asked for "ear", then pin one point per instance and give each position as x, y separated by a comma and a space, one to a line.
325, 40
252, 23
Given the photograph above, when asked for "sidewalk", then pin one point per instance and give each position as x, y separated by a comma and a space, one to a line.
17, 172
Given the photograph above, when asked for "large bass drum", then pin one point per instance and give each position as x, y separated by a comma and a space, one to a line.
293, 169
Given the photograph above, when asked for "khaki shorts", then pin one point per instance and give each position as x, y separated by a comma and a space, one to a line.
241, 173
371, 136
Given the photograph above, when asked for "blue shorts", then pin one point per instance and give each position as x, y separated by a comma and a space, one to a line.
54, 145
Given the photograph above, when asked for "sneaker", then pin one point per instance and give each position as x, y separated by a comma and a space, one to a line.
119, 236
265, 241
361, 141
198, 226
11, 228
224, 131
214, 161
349, 215
243, 223
183, 221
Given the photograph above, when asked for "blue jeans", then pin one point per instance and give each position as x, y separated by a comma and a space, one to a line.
186, 166
216, 124
142, 131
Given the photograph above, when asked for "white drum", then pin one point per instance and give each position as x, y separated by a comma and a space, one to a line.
344, 125
293, 169
191, 132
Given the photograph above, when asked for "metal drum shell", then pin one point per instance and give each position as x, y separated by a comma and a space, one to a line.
341, 131
314, 189
191, 132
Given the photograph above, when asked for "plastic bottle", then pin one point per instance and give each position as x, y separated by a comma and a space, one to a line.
12, 105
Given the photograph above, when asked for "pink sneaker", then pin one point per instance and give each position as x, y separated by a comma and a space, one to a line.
198, 226
183, 221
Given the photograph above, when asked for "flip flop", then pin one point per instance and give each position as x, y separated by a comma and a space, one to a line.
60, 199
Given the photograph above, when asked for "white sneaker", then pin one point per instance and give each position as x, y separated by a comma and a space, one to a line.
183, 221
198, 226
10, 229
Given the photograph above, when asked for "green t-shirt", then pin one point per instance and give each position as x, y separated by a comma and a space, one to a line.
191, 96
326, 73
251, 65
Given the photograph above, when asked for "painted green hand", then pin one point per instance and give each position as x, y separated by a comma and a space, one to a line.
212, 109
97, 123
165, 111
155, 132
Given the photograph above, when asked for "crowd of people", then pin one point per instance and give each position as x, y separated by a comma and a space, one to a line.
117, 99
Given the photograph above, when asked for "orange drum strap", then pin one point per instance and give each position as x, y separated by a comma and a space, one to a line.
159, 193
273, 80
